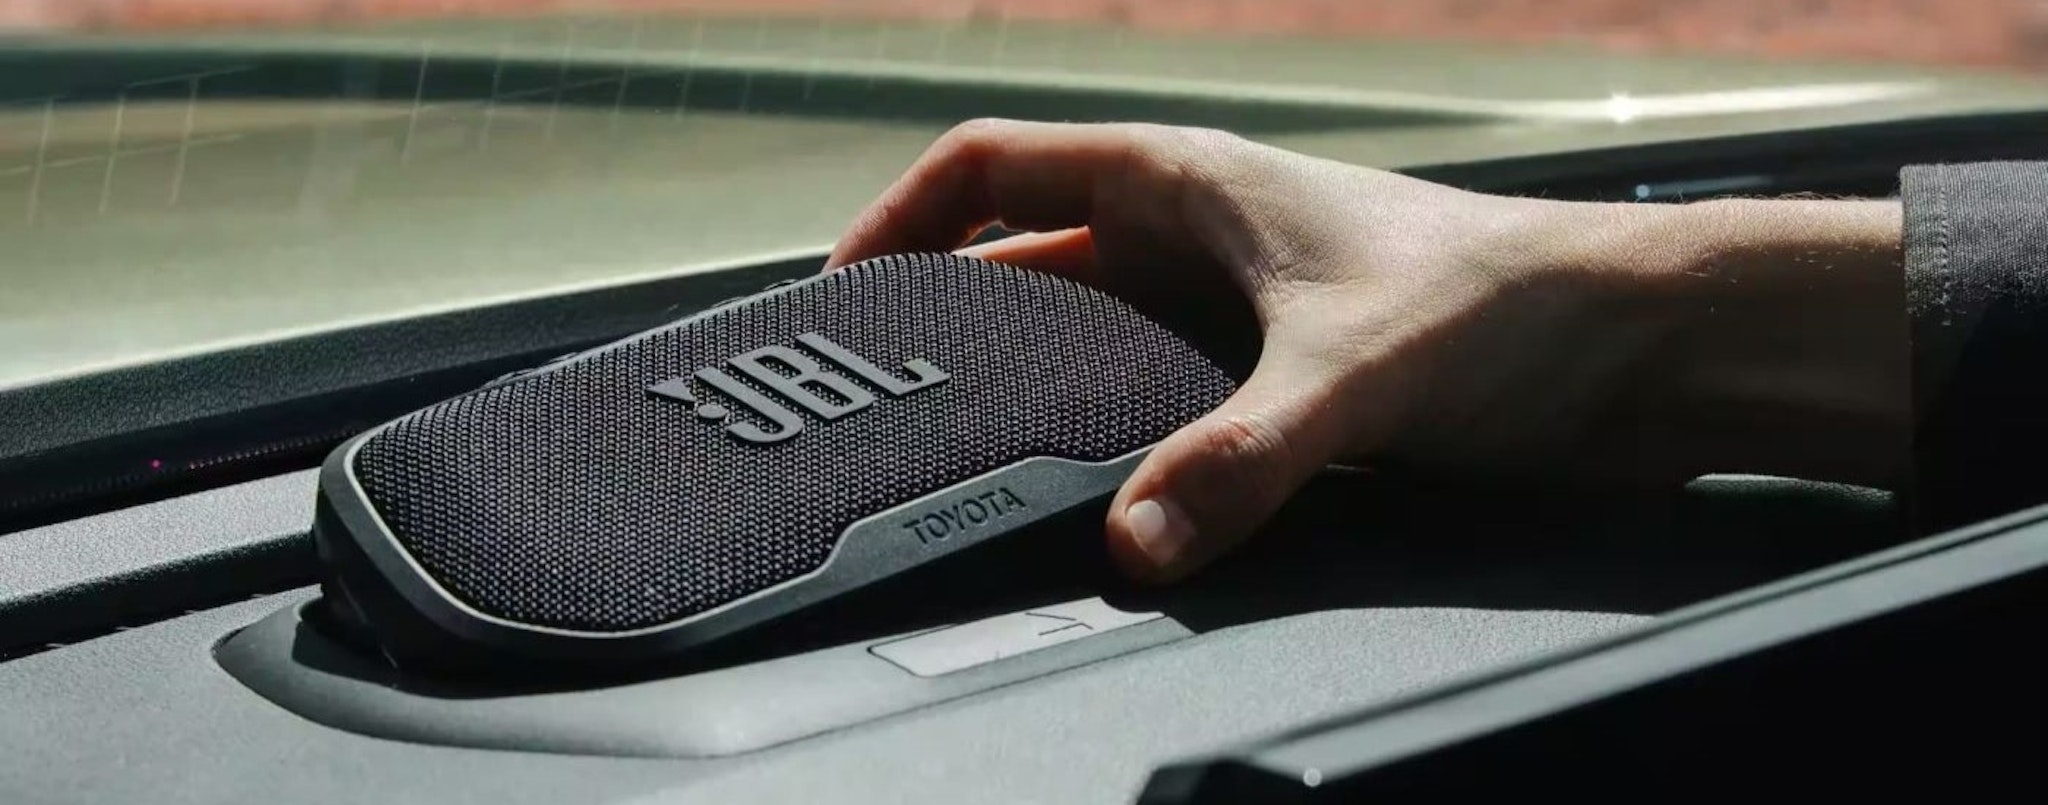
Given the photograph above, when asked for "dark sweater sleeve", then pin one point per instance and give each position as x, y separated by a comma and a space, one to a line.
1976, 241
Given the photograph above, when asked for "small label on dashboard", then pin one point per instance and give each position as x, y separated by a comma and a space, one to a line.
957, 648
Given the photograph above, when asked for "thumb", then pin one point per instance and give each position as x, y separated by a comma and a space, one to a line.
1213, 482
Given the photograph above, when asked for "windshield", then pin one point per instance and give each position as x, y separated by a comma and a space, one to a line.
182, 176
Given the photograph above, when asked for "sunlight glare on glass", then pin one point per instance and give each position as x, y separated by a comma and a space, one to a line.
1623, 109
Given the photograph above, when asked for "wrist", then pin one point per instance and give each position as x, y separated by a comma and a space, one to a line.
1786, 342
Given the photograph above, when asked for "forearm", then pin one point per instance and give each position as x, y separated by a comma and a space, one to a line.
1785, 341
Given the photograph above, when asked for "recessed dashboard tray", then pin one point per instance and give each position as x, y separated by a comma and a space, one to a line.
1346, 542
289, 659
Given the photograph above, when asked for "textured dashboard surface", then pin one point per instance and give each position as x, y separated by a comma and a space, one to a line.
53, 559
97, 572
147, 716
1365, 591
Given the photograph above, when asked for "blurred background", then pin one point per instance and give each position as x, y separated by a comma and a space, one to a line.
1991, 33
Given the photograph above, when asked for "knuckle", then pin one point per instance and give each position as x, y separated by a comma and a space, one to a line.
1209, 147
1192, 160
1256, 455
1135, 143
1207, 140
973, 135
1178, 145
979, 126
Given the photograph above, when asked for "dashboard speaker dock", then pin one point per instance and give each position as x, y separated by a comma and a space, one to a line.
654, 494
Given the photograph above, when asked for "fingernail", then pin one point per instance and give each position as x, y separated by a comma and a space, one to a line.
1160, 530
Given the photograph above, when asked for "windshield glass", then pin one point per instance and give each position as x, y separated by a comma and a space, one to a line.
180, 176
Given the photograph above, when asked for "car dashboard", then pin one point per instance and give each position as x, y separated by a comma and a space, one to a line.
156, 643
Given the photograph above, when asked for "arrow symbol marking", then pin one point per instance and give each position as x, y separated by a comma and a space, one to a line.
1064, 622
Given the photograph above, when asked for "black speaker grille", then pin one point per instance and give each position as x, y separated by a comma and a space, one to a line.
574, 499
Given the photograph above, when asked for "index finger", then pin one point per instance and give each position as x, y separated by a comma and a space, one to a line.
1027, 176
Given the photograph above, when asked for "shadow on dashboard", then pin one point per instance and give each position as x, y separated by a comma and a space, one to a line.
1357, 541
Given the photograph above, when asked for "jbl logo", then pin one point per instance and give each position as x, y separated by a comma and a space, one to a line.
801, 388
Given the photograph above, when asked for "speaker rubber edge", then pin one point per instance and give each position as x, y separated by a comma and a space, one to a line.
872, 548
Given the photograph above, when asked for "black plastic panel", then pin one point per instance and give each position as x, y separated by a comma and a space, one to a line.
1852, 160
1912, 666
85, 576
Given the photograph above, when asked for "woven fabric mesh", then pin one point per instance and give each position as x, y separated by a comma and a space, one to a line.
574, 499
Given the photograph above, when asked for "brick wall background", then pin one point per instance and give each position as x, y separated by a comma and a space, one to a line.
2004, 34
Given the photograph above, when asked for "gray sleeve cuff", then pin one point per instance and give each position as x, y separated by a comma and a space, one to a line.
1976, 243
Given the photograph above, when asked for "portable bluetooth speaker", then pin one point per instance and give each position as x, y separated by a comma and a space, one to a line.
653, 494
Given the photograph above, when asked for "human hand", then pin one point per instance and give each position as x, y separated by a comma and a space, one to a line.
1398, 321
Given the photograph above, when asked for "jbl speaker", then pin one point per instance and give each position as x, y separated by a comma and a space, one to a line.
678, 486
